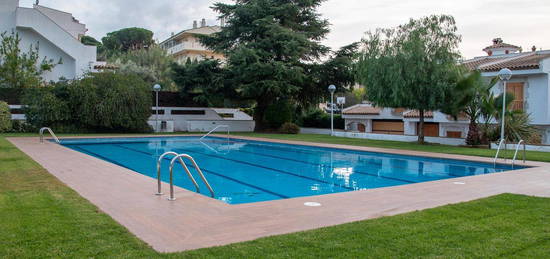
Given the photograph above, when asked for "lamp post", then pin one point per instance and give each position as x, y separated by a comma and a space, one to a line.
156, 88
332, 89
504, 75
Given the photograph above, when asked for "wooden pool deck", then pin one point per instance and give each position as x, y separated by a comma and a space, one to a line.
195, 221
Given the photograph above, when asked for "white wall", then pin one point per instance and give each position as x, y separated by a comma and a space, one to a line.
33, 26
65, 20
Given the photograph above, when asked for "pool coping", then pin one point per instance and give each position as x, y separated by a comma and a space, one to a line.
195, 221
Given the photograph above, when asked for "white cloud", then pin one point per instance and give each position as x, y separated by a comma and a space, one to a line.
520, 22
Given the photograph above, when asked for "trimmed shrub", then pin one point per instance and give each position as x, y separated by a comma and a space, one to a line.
319, 119
5, 117
289, 128
100, 102
278, 113
22, 127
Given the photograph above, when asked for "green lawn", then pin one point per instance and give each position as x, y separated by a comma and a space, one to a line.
41, 218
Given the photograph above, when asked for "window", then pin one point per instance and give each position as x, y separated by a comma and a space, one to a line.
161, 112
227, 115
188, 112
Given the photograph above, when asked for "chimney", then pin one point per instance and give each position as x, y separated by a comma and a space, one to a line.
194, 24
534, 48
203, 22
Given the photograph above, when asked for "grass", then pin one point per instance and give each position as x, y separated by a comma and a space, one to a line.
41, 218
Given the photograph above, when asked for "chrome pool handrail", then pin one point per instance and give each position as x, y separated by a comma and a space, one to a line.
214, 129
517, 149
199, 171
498, 151
41, 132
159, 182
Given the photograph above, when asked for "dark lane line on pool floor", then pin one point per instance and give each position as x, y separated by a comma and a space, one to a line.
189, 165
267, 168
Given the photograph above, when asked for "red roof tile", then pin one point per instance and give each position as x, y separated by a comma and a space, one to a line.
416, 114
362, 110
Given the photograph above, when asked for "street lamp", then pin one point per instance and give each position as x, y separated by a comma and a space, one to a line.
504, 75
332, 89
157, 88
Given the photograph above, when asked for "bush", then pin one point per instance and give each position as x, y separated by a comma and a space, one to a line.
278, 113
5, 117
319, 119
22, 127
289, 128
101, 102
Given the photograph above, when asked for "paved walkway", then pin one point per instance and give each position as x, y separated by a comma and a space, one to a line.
195, 221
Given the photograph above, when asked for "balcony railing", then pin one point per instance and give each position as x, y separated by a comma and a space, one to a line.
517, 105
186, 46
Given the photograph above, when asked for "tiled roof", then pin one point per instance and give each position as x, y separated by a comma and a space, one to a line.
528, 61
476, 62
514, 62
501, 45
363, 110
416, 114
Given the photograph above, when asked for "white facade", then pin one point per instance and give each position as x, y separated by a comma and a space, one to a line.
186, 44
530, 72
57, 34
361, 118
180, 119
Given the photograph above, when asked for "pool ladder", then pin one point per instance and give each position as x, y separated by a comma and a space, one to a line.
41, 132
518, 145
179, 158
216, 128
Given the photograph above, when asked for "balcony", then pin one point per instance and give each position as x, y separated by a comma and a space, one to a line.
186, 46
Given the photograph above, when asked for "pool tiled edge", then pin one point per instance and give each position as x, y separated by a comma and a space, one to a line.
194, 221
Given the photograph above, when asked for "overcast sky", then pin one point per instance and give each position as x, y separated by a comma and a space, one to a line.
520, 22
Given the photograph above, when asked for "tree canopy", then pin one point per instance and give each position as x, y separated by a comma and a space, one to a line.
269, 45
153, 65
127, 39
412, 66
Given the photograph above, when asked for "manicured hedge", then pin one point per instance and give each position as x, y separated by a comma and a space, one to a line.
101, 102
320, 119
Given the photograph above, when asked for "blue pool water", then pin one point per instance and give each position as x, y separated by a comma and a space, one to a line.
243, 171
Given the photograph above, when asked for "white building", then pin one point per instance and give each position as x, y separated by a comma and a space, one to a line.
530, 82
57, 33
530, 85
367, 121
180, 119
186, 45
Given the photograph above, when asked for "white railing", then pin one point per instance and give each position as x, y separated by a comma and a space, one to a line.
517, 149
214, 129
502, 141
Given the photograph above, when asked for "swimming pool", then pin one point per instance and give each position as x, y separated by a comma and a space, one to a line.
245, 171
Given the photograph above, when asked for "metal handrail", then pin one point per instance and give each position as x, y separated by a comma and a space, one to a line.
498, 151
41, 132
219, 126
178, 158
517, 149
159, 182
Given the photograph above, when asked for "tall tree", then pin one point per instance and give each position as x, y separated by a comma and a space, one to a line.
19, 69
153, 65
412, 66
269, 44
205, 81
127, 39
